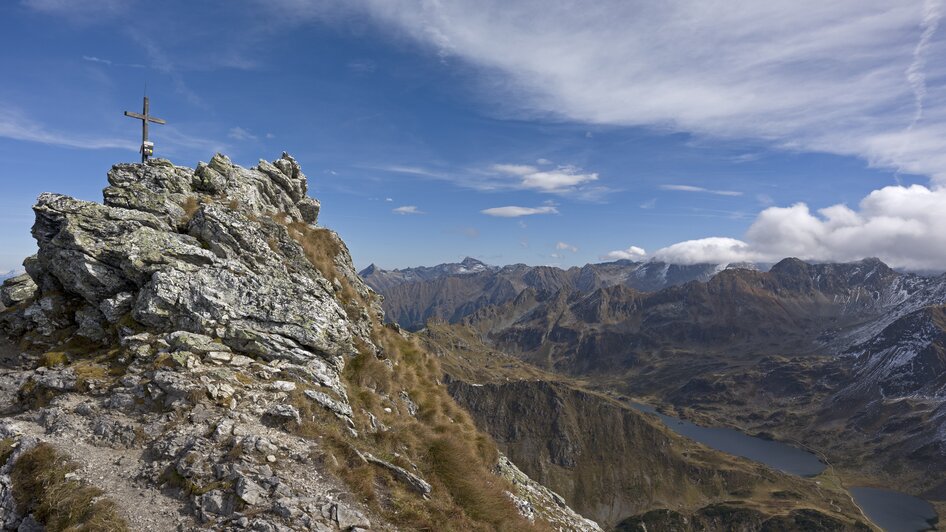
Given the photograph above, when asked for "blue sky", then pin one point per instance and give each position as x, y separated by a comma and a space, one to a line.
536, 132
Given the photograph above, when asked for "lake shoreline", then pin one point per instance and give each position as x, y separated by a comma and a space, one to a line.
787, 456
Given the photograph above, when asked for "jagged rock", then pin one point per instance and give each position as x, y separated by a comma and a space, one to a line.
60, 380
337, 407
17, 289
412, 481
283, 386
91, 323
284, 413
115, 307
349, 518
408, 403
249, 492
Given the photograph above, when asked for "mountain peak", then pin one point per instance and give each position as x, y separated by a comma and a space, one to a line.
471, 262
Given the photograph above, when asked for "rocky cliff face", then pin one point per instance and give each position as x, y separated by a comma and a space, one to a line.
199, 341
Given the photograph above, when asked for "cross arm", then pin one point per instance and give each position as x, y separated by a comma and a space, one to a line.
145, 117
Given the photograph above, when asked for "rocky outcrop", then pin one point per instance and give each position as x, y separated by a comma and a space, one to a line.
192, 338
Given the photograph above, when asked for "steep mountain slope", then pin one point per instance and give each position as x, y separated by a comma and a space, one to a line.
609, 461
452, 291
199, 343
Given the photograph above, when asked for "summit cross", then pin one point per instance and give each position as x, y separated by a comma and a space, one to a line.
147, 147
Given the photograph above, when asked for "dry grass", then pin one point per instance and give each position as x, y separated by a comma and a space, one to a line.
191, 205
441, 445
6, 449
322, 246
91, 362
40, 487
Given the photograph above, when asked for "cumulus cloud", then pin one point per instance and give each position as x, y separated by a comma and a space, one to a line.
631, 253
407, 209
513, 211
901, 225
690, 188
845, 78
716, 250
562, 180
563, 246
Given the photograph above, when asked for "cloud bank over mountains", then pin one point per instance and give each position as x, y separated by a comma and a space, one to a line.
903, 226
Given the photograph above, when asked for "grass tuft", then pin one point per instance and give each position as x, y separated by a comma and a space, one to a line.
41, 488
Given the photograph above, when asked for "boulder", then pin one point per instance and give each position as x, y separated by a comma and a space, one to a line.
17, 289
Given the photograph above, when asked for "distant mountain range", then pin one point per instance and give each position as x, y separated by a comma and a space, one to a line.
850, 357
454, 290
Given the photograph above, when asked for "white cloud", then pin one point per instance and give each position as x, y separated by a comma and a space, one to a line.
512, 211
109, 62
17, 126
562, 246
839, 77
715, 250
563, 180
407, 209
388, 200
690, 188
903, 226
93, 59
515, 169
238, 133
631, 253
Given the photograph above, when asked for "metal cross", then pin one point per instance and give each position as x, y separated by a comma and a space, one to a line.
147, 148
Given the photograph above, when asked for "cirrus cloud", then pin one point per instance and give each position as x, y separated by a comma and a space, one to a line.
512, 211
846, 78
407, 209
691, 188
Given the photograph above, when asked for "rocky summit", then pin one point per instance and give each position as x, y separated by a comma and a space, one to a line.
197, 353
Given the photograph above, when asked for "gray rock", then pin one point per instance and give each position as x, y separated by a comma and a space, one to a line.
17, 289
284, 412
193, 343
216, 502
91, 323
412, 481
113, 308
249, 492
348, 517
337, 407
60, 380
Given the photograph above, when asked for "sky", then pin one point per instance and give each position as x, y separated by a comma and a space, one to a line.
545, 132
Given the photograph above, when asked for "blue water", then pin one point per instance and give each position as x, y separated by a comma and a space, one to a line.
891, 510
776, 455
894, 511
